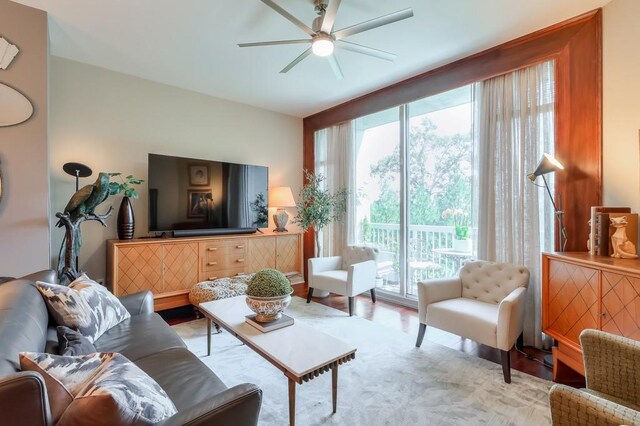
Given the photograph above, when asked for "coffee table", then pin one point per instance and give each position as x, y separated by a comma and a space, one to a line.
301, 352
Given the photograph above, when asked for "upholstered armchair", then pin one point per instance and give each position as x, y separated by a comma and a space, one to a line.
486, 303
612, 396
349, 275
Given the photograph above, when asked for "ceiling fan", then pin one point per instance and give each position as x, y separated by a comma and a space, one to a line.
323, 37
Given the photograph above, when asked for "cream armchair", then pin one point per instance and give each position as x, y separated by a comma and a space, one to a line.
349, 275
612, 396
486, 303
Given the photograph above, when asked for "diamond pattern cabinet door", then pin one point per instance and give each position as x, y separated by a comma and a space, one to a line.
139, 268
261, 253
621, 305
180, 266
288, 253
573, 299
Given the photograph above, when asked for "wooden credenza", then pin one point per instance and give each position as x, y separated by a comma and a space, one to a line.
170, 267
582, 291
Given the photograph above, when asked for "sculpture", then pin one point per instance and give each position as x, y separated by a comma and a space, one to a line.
622, 247
81, 207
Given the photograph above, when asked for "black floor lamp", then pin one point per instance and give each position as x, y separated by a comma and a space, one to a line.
548, 164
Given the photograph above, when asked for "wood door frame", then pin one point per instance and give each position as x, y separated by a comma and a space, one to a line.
576, 46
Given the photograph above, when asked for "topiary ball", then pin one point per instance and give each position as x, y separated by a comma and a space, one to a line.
269, 283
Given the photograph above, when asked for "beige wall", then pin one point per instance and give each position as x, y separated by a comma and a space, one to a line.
621, 103
111, 121
24, 210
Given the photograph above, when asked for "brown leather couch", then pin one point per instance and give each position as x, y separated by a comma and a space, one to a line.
199, 395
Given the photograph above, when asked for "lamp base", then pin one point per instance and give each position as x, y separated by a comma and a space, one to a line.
281, 218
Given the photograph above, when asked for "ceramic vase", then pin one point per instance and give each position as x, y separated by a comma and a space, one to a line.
126, 220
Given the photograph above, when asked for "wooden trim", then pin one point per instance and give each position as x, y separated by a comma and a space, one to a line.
576, 45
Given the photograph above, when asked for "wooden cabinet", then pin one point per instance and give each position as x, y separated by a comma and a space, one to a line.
582, 291
170, 267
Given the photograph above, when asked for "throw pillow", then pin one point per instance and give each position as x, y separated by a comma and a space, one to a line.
99, 389
72, 343
84, 306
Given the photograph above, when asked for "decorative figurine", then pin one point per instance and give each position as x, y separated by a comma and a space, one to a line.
622, 247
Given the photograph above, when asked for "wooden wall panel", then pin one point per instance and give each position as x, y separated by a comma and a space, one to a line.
576, 45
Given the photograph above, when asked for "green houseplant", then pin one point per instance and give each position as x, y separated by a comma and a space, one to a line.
318, 207
126, 219
268, 294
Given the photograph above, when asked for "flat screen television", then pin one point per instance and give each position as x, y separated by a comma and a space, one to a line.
189, 196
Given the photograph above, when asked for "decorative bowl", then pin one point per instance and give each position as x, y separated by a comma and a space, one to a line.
268, 309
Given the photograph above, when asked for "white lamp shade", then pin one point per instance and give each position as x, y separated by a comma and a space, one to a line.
281, 196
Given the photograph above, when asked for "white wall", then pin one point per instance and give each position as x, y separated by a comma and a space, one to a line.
111, 121
24, 209
621, 103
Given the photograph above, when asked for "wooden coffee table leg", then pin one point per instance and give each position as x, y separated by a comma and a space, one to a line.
208, 336
292, 402
334, 387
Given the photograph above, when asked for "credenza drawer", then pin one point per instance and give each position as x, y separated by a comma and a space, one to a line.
218, 263
223, 273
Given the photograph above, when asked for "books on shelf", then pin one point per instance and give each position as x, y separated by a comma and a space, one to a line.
265, 327
600, 232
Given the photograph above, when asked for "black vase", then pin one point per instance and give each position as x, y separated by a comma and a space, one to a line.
126, 221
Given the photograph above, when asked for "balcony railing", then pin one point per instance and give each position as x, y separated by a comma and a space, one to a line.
430, 253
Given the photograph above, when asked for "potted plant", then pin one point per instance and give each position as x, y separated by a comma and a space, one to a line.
268, 294
461, 240
126, 219
319, 207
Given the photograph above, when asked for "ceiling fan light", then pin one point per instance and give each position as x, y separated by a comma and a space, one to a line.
322, 47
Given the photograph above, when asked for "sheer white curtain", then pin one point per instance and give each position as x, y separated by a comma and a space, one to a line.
515, 126
335, 159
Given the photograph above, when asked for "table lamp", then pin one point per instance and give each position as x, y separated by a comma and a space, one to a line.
281, 197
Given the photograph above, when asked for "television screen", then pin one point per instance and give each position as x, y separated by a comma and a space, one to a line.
188, 195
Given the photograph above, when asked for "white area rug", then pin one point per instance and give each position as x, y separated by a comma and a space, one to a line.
390, 382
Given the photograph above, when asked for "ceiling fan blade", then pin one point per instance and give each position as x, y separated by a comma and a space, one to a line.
373, 23
330, 16
335, 66
296, 61
289, 17
381, 54
274, 43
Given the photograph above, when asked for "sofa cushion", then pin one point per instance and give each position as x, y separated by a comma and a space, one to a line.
183, 376
470, 318
84, 305
139, 336
23, 320
71, 342
99, 389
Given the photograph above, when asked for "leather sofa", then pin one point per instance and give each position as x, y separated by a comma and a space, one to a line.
199, 395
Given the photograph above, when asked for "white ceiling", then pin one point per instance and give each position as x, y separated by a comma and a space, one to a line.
192, 44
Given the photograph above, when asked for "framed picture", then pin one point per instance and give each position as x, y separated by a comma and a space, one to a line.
200, 202
199, 174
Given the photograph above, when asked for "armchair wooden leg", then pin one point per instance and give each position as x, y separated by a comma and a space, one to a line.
421, 331
373, 295
309, 294
506, 365
520, 341
351, 306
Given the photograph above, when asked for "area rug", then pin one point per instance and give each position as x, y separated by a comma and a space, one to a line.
390, 382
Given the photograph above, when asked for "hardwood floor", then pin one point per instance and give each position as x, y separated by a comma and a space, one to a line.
406, 320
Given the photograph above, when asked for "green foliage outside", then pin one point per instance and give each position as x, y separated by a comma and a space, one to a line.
318, 207
126, 186
269, 283
439, 173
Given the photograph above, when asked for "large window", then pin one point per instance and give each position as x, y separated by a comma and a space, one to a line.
413, 180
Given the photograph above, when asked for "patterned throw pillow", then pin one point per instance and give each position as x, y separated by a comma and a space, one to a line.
99, 389
84, 306
71, 342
